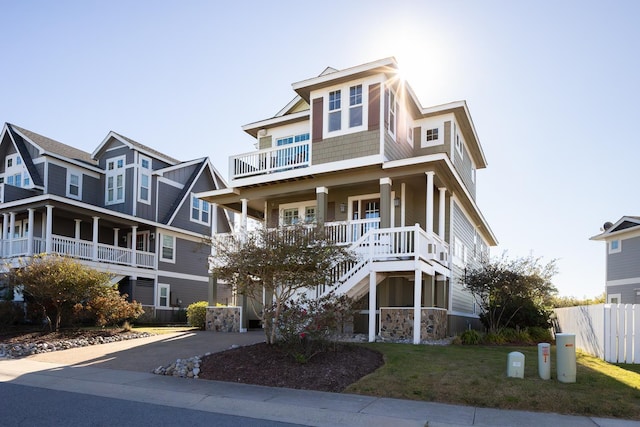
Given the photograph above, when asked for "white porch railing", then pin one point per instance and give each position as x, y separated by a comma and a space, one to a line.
80, 249
270, 160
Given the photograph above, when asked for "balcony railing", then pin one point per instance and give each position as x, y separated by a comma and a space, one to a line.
270, 160
79, 249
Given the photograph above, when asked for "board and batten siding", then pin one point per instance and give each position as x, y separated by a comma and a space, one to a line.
191, 257
461, 300
187, 291
57, 180
626, 263
92, 190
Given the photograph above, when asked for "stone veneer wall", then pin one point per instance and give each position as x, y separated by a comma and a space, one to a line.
397, 323
223, 319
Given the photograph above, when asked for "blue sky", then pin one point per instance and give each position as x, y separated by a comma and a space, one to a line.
552, 88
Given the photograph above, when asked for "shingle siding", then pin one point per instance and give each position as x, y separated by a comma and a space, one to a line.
626, 263
351, 146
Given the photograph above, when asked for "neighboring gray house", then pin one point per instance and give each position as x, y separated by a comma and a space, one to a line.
125, 208
623, 260
356, 153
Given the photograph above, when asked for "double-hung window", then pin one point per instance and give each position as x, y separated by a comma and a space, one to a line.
355, 106
74, 184
199, 210
335, 111
164, 295
144, 180
167, 248
115, 177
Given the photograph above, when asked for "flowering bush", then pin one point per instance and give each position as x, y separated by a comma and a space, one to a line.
309, 326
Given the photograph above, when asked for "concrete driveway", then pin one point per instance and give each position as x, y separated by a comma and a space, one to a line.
146, 354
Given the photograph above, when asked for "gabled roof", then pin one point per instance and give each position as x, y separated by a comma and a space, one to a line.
49, 146
624, 225
135, 146
184, 195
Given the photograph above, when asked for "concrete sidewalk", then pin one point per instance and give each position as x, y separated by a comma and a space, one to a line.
85, 371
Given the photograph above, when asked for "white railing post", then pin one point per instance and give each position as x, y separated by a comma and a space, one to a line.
134, 244
30, 232
94, 254
48, 246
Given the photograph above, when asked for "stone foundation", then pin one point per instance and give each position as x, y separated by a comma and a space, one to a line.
397, 323
223, 319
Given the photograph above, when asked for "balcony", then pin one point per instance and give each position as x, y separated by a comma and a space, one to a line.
270, 160
79, 249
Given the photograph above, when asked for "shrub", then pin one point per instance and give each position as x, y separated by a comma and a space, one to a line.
539, 334
108, 307
492, 338
470, 337
10, 313
197, 314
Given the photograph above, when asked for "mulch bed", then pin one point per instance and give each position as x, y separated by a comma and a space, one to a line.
269, 365
25, 335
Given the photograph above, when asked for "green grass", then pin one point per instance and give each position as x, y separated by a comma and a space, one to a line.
476, 375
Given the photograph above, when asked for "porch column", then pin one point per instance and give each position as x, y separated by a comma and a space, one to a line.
12, 228
77, 235
441, 206
116, 242
417, 306
134, 245
94, 255
402, 204
243, 220
429, 213
30, 231
213, 280
385, 202
372, 306
49, 230
5, 233
322, 203
214, 218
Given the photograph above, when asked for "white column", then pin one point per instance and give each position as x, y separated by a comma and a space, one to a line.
30, 232
243, 220
116, 236
5, 234
441, 206
95, 238
12, 227
429, 219
214, 218
372, 306
49, 230
402, 204
417, 306
134, 245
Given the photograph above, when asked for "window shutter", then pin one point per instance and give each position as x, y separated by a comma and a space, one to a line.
374, 107
316, 128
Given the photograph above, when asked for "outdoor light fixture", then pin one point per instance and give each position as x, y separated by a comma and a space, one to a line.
343, 207
396, 202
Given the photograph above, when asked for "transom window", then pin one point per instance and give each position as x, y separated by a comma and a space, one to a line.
115, 180
335, 112
199, 210
355, 106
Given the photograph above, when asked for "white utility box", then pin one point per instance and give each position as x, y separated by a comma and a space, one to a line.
544, 360
566, 355
515, 365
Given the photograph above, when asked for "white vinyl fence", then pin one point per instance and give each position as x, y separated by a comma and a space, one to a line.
608, 331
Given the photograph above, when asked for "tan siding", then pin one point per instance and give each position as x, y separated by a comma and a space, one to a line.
346, 147
396, 150
316, 128
265, 142
442, 148
374, 106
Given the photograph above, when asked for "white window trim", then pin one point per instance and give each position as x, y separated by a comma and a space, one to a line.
440, 141
354, 106
459, 143
200, 211
395, 113
612, 296
345, 109
301, 206
459, 257
144, 171
114, 173
168, 288
618, 249
77, 173
161, 246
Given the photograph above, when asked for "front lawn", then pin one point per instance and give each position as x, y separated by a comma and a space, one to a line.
476, 375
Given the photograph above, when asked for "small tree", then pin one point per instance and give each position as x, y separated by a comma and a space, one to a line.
279, 262
108, 307
56, 281
512, 292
